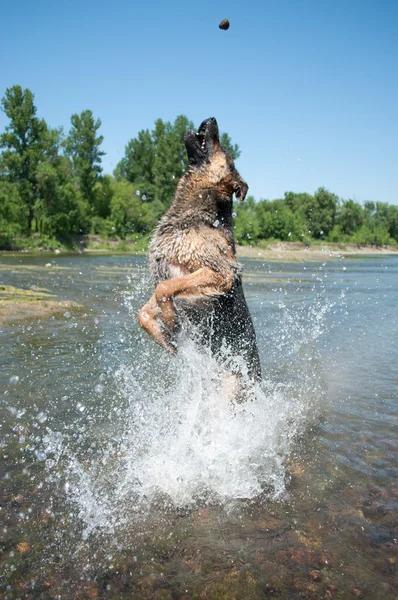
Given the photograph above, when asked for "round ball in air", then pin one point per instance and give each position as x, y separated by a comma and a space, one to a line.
224, 24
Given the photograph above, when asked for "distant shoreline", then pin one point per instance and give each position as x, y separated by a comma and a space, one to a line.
272, 251
294, 251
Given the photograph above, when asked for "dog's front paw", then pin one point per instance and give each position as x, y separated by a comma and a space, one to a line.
169, 341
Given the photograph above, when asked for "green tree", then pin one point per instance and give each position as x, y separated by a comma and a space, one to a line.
317, 211
130, 213
83, 147
13, 214
26, 143
227, 144
138, 162
393, 221
170, 161
103, 196
277, 220
320, 213
371, 234
246, 224
60, 210
349, 218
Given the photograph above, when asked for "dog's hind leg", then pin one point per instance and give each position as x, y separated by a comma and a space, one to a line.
147, 318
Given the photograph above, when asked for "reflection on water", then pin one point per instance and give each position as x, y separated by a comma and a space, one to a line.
126, 473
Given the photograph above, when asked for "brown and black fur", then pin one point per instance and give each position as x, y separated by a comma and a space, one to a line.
193, 258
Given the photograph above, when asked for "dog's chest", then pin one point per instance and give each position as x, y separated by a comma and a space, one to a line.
185, 251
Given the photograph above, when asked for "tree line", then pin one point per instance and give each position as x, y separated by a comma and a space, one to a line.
52, 188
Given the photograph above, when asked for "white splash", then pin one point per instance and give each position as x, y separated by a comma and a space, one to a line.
175, 435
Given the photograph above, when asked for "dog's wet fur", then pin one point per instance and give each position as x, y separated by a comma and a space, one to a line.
193, 259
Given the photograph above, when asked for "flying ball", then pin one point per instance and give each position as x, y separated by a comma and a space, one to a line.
224, 24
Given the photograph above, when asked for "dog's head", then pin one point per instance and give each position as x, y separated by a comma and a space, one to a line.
206, 153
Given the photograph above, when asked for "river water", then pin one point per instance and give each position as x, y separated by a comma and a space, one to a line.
127, 473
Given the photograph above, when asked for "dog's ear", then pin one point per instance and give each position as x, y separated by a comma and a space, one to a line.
241, 190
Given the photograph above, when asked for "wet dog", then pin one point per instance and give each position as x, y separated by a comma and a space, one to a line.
193, 259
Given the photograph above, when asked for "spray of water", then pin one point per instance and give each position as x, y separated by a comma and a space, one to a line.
176, 437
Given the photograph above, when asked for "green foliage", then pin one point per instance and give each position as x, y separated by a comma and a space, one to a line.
170, 161
13, 214
317, 212
278, 221
227, 144
103, 192
246, 224
350, 217
130, 213
137, 164
52, 189
83, 148
26, 143
371, 234
60, 210
155, 161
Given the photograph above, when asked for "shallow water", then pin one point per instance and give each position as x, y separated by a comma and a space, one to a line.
126, 473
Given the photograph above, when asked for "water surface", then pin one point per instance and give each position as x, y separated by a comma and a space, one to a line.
126, 473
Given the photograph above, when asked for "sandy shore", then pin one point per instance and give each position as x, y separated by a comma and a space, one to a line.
293, 252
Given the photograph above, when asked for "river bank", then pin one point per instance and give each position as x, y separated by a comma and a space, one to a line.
294, 251
273, 251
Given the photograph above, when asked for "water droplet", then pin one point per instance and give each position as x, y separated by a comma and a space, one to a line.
67, 315
143, 197
42, 417
138, 193
99, 389
40, 455
234, 214
216, 223
14, 379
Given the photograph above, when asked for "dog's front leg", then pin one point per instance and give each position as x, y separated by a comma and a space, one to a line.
203, 282
148, 319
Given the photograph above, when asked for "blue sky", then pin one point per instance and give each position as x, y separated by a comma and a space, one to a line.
308, 89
